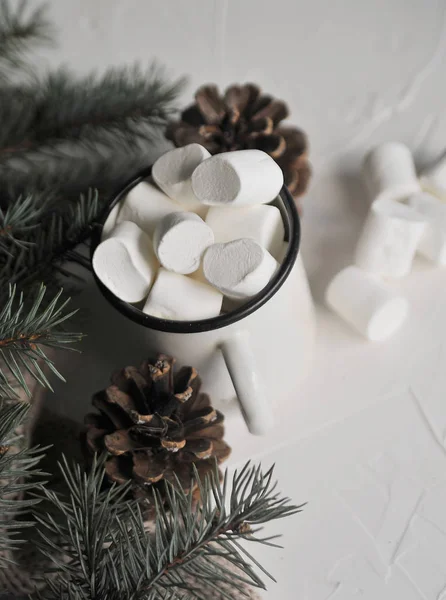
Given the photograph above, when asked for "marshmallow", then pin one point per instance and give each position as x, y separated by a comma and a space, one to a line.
126, 263
237, 178
433, 180
389, 172
389, 239
139, 247
177, 297
433, 243
146, 205
366, 304
240, 269
110, 222
173, 170
180, 240
261, 223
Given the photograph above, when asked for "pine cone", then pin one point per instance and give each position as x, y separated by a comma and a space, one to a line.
245, 118
156, 426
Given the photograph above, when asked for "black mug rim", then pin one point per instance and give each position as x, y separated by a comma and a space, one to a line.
293, 231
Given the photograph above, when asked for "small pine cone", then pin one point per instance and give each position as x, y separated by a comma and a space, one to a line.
244, 118
156, 425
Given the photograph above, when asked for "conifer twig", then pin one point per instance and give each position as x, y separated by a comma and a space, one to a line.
21, 29
15, 469
99, 545
23, 335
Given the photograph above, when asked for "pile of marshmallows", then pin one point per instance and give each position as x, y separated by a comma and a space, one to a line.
203, 234
407, 215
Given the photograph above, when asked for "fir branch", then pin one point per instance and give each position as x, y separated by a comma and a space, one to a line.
21, 30
24, 333
81, 120
101, 550
16, 466
86, 106
17, 221
34, 250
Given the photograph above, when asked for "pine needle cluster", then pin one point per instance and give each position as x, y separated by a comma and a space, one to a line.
100, 548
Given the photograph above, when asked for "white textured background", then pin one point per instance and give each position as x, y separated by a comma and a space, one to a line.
364, 440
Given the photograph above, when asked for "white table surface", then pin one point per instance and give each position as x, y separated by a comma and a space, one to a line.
363, 440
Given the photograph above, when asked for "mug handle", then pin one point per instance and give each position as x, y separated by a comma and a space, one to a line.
247, 380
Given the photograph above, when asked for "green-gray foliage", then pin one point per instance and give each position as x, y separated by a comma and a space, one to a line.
21, 29
37, 233
100, 549
24, 333
71, 133
16, 467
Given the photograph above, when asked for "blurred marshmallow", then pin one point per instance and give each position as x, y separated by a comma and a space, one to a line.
433, 180
261, 223
389, 239
237, 178
239, 269
364, 302
180, 298
173, 170
389, 172
433, 243
180, 240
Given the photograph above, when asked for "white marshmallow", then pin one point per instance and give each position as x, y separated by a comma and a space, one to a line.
180, 240
180, 298
113, 266
173, 170
433, 179
366, 304
126, 263
146, 205
261, 223
389, 172
433, 243
240, 269
237, 178
110, 222
139, 247
389, 239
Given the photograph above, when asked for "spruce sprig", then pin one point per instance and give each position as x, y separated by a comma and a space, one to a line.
100, 548
17, 476
24, 332
21, 29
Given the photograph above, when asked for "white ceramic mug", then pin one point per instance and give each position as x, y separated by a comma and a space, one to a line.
256, 353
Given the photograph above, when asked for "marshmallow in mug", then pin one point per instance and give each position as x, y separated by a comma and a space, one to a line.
125, 262
238, 178
239, 269
389, 172
173, 170
145, 205
262, 223
433, 242
370, 307
180, 240
389, 239
176, 297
